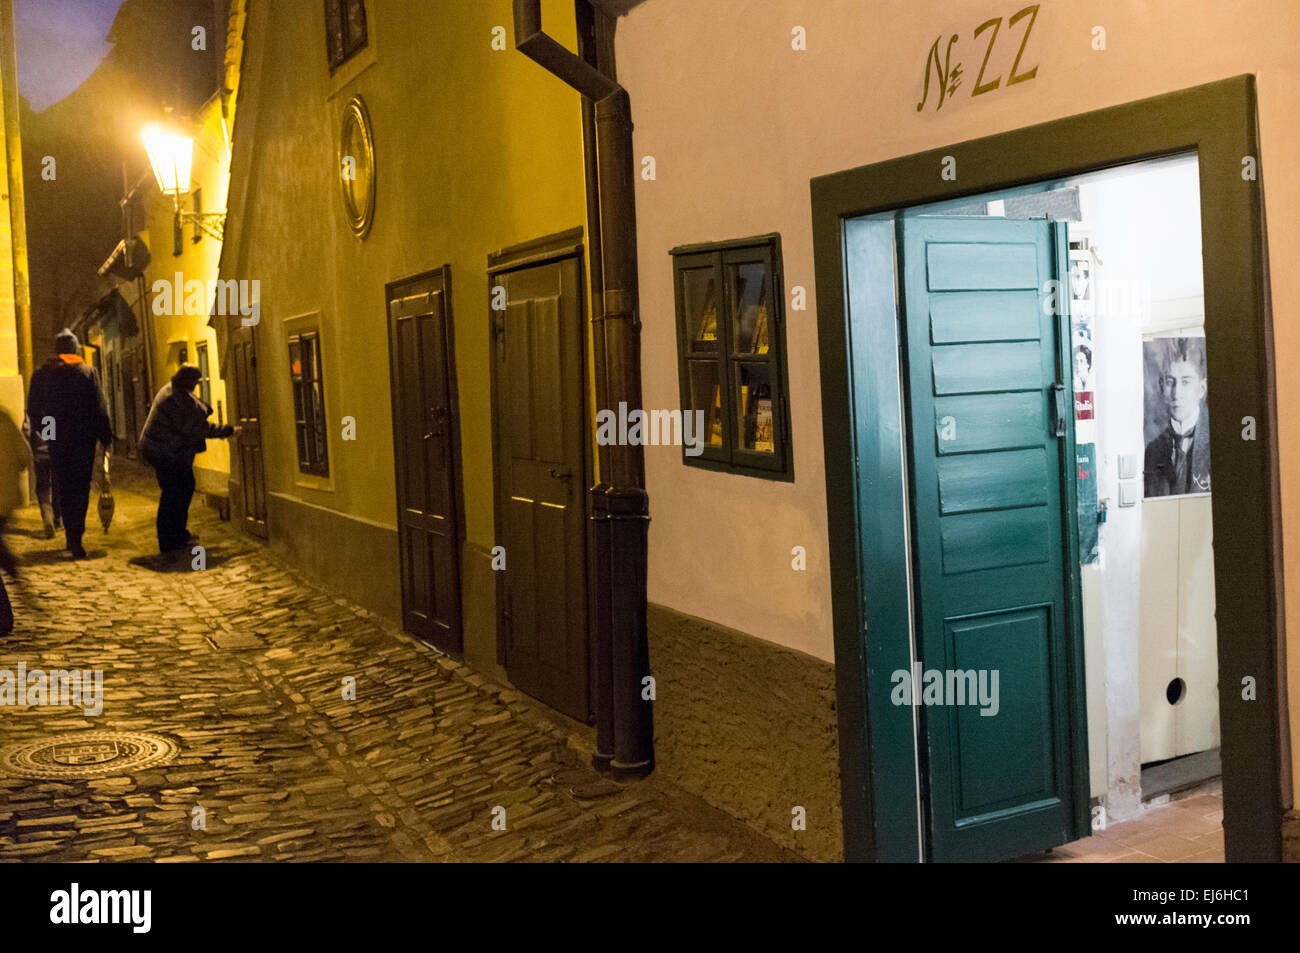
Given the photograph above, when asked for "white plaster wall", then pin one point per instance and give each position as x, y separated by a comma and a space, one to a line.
1144, 222
739, 123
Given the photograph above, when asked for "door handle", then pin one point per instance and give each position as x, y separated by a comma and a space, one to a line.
561, 473
437, 416
1058, 408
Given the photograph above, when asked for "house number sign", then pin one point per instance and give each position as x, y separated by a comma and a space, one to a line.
948, 75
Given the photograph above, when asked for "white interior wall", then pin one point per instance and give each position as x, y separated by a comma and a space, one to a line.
1148, 602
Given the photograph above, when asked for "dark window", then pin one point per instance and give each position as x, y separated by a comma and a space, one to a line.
205, 374
731, 354
308, 402
345, 30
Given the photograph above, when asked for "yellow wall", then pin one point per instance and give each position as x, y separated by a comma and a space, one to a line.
198, 261
740, 122
13, 256
476, 149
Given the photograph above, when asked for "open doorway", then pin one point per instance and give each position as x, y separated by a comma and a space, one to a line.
1138, 449
913, 510
1056, 419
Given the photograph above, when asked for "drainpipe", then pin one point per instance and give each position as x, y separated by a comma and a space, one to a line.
593, 51
619, 504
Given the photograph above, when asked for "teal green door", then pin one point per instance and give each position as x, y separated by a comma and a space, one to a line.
995, 576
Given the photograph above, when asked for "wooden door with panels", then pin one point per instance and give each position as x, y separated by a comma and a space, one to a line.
540, 434
426, 442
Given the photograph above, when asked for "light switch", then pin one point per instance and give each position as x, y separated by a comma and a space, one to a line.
1127, 467
1128, 493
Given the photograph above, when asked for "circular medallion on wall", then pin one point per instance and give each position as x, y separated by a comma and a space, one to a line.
357, 167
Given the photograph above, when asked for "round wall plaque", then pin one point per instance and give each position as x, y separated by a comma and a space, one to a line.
357, 166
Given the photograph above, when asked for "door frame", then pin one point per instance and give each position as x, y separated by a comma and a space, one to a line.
439, 279
529, 254
866, 503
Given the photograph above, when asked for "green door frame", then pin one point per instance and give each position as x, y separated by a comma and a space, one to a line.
866, 508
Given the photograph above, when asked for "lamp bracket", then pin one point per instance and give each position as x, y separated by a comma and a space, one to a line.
211, 223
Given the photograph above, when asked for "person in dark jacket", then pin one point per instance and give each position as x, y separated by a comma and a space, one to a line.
67, 411
177, 428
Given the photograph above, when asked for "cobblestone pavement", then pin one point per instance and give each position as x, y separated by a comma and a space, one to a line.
243, 664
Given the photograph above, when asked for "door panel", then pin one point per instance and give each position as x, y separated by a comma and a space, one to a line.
994, 579
994, 784
427, 449
540, 466
247, 414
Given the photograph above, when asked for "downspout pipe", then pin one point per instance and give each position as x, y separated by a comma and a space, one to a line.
625, 736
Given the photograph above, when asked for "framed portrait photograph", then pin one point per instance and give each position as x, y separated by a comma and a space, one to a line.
1176, 418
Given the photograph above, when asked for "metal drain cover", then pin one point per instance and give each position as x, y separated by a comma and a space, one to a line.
87, 754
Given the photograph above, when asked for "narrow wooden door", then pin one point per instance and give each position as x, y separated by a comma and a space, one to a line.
541, 433
247, 415
426, 443
995, 575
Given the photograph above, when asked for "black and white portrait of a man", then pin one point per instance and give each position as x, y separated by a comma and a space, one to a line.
1177, 427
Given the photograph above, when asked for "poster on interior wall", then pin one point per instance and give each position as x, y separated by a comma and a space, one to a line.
1085, 456
1082, 310
1176, 425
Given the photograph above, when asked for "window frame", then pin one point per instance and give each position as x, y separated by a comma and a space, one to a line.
202, 360
336, 11
720, 257
313, 455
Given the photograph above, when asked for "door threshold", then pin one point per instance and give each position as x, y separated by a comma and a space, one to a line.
1161, 778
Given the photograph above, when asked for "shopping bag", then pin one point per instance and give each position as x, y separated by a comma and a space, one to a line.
106, 503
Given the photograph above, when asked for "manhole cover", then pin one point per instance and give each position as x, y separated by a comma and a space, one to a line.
87, 754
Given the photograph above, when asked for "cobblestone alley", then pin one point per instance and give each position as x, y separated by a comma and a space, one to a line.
242, 667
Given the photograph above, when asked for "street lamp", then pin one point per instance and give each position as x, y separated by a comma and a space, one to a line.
172, 156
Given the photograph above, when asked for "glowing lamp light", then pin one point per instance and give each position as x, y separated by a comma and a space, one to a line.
171, 156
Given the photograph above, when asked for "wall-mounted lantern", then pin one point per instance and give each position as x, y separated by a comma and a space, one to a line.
172, 156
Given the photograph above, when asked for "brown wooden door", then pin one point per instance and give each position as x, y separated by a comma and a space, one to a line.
247, 415
427, 448
540, 429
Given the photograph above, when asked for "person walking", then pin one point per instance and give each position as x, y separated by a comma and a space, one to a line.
177, 429
15, 457
46, 496
67, 411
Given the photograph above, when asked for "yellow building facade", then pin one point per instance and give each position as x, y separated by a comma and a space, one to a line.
475, 149
15, 310
181, 289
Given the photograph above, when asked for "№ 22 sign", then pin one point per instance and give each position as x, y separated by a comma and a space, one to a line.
948, 75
